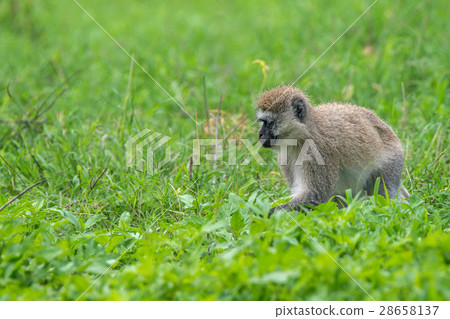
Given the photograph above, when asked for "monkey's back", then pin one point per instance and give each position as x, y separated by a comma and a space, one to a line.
352, 133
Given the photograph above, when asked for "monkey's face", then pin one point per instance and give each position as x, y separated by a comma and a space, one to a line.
267, 131
286, 123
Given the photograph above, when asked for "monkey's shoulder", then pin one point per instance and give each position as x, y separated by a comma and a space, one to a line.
343, 109
348, 114
354, 122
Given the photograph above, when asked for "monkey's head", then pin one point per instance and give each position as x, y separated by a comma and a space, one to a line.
283, 112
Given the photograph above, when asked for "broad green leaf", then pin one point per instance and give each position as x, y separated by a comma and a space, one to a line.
125, 220
210, 227
187, 200
50, 252
237, 223
71, 218
278, 277
91, 221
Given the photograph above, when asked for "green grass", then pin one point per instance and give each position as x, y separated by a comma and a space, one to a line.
205, 238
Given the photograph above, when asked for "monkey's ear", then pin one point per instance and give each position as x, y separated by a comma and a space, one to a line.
299, 107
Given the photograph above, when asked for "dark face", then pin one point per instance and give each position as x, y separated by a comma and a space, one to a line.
266, 133
271, 129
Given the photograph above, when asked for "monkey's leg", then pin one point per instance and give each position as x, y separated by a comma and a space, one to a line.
390, 174
320, 181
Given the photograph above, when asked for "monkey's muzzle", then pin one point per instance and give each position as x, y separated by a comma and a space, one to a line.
265, 142
266, 135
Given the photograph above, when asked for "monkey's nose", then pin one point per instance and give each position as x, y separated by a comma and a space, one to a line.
265, 142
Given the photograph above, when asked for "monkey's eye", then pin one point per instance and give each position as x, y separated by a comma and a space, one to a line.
267, 122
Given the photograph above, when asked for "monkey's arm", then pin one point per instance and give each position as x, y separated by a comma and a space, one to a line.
319, 182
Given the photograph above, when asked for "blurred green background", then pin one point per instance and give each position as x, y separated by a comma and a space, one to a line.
205, 239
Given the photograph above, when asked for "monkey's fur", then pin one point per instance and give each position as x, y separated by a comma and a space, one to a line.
356, 147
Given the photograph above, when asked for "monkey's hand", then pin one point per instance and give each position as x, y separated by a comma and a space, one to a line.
293, 205
285, 207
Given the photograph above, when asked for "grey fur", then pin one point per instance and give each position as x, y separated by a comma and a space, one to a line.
357, 148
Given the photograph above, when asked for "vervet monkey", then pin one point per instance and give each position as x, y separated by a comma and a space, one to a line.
351, 147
